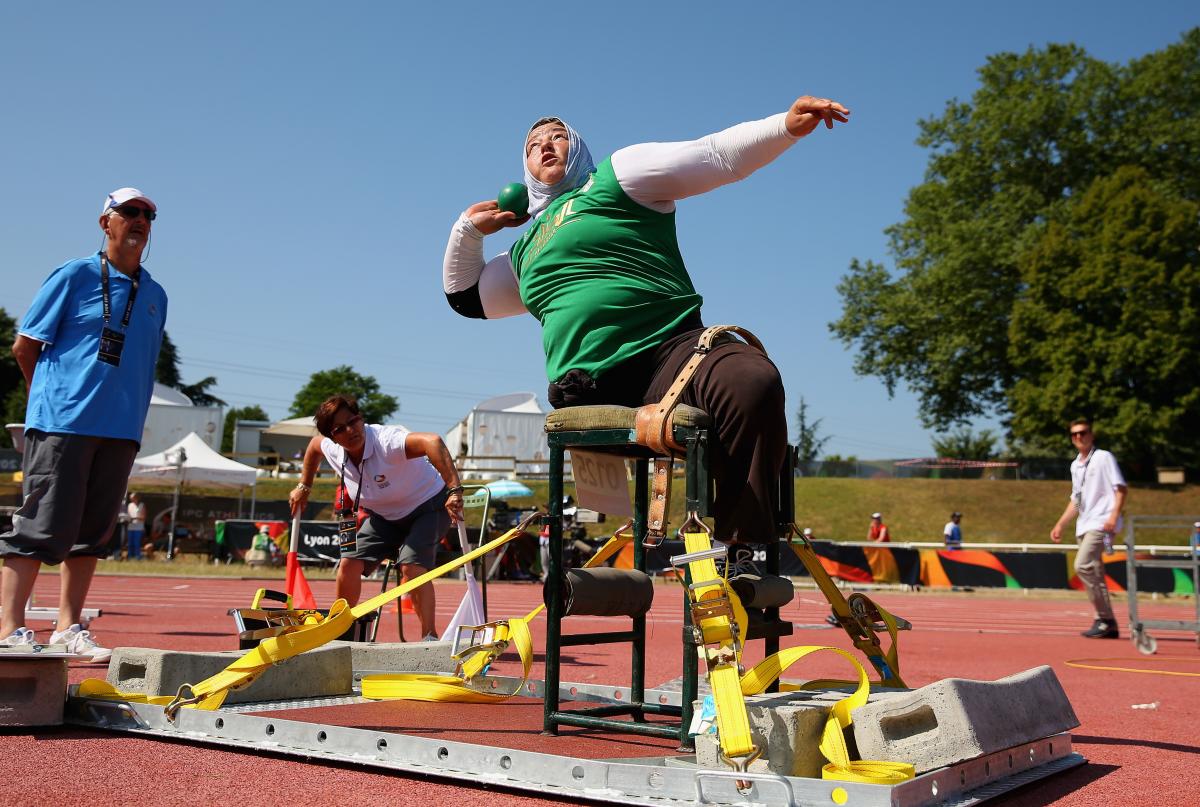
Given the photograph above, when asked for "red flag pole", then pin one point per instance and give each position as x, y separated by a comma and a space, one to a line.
297, 584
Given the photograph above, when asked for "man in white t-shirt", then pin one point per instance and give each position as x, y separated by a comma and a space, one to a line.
408, 486
1097, 497
136, 512
952, 532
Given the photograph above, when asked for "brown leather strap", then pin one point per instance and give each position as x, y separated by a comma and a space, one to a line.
652, 427
660, 501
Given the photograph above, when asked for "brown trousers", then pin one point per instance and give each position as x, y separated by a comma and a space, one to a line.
741, 389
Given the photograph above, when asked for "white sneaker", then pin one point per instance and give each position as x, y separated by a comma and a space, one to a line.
431, 637
21, 637
81, 643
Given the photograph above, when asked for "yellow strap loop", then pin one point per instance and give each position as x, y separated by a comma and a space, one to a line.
833, 741
471, 687
729, 691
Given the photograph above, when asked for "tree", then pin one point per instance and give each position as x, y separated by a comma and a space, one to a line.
964, 444
1040, 130
166, 371
808, 444
1107, 324
199, 393
374, 405
13, 411
12, 381
10, 373
252, 412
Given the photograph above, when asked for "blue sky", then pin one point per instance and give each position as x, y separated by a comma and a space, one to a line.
308, 160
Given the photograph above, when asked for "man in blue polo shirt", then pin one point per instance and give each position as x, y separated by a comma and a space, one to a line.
88, 347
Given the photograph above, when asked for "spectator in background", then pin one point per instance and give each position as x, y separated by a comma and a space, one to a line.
87, 347
878, 531
1097, 497
137, 514
952, 532
1196, 538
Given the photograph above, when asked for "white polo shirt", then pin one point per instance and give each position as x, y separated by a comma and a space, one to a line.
395, 484
1094, 482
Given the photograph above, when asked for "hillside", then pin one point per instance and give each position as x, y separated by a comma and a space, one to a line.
914, 509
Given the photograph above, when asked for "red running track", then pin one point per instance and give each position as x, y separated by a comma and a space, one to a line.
1137, 756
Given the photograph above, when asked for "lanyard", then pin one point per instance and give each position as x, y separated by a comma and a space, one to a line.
361, 479
106, 295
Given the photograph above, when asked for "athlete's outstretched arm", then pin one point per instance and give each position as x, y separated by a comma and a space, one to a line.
658, 174
473, 287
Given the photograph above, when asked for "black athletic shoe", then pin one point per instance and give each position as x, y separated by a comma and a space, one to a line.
833, 620
1102, 629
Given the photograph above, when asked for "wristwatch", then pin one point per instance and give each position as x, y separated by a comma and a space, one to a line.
453, 490
303, 487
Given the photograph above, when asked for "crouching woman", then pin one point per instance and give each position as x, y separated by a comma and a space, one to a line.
408, 486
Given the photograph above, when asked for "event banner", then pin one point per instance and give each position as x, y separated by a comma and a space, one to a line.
938, 568
933, 568
318, 539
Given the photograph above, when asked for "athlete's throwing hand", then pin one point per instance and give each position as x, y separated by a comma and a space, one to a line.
488, 218
807, 112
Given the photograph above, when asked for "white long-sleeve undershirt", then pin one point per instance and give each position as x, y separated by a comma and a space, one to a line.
654, 175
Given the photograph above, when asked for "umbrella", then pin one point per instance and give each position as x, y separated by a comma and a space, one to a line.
470, 610
508, 489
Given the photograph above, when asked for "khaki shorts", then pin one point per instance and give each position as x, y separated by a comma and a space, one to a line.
72, 491
412, 539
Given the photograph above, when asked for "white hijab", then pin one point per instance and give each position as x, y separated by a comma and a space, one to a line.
579, 168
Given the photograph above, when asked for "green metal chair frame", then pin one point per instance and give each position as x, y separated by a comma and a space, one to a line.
693, 433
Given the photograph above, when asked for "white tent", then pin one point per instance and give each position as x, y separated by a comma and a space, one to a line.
498, 431
199, 464
192, 460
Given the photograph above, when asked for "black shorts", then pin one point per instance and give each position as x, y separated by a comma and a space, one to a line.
412, 539
72, 490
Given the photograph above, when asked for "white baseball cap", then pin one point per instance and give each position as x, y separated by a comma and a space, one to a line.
1197, 524
877, 515
808, 530
122, 195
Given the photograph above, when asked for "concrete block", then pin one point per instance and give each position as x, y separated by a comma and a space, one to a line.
425, 657
788, 727
957, 719
322, 672
33, 691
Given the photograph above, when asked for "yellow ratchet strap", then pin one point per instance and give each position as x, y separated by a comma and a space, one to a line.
470, 685
720, 621
210, 693
887, 664
316, 631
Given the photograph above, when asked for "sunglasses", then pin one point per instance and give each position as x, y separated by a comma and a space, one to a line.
1081, 433
133, 211
345, 427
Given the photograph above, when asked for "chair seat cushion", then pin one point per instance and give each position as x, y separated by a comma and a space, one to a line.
592, 418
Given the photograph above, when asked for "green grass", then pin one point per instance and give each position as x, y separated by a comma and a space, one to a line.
993, 511
196, 566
